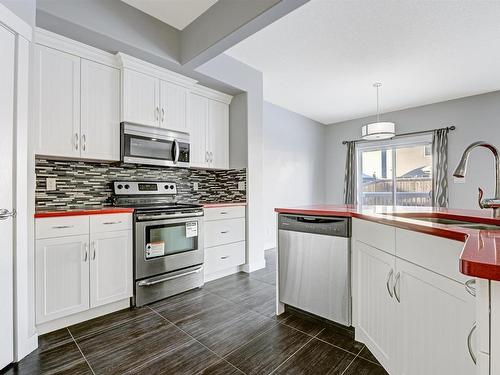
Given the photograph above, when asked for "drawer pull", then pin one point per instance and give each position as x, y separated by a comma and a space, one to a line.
62, 226
225, 257
469, 344
224, 232
112, 222
470, 287
223, 212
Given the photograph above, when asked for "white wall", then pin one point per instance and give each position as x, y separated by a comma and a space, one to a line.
476, 118
293, 173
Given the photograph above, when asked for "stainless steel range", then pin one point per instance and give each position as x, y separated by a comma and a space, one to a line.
168, 240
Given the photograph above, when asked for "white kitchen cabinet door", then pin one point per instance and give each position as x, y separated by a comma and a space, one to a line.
110, 267
198, 124
141, 98
435, 317
173, 106
100, 111
57, 102
218, 134
62, 277
375, 308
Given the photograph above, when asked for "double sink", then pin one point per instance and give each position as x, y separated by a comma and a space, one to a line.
456, 223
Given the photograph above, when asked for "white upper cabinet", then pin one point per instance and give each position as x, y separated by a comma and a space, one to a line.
218, 134
141, 98
57, 102
100, 111
173, 106
198, 127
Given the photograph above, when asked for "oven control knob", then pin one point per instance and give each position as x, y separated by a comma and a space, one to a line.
119, 186
127, 186
166, 186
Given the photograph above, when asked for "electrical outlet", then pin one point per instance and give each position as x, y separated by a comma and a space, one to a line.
195, 186
51, 184
241, 185
458, 180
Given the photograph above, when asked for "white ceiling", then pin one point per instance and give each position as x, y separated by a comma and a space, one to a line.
322, 59
176, 13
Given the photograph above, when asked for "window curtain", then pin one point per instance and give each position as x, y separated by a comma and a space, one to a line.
350, 174
440, 168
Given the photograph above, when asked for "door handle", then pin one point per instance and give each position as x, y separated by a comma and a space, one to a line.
86, 246
84, 142
389, 277
162, 115
470, 287
93, 250
396, 287
469, 343
76, 141
157, 113
5, 214
176, 151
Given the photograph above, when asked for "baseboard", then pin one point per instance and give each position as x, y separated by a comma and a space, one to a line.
223, 273
29, 345
67, 321
251, 267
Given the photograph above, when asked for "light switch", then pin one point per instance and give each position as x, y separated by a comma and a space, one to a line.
51, 184
195, 186
241, 185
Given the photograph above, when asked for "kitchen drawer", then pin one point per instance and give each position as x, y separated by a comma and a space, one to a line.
61, 226
218, 213
110, 222
377, 235
221, 232
222, 257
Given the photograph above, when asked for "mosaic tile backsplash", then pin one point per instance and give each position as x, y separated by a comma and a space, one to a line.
82, 183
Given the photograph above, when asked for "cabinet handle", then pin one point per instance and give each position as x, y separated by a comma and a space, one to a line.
224, 232
162, 115
469, 343
84, 142
206, 156
211, 157
223, 212
389, 277
76, 141
225, 257
396, 287
62, 226
470, 287
112, 222
86, 252
157, 113
93, 250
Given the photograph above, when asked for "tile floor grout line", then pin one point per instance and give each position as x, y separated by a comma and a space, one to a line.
349, 365
179, 328
298, 350
80, 350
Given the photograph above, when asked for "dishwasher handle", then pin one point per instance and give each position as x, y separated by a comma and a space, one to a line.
330, 226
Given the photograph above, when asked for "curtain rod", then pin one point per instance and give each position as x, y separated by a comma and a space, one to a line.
402, 135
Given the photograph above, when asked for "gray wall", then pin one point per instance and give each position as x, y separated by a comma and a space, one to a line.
294, 164
476, 118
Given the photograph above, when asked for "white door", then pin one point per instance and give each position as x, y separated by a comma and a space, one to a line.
218, 134
100, 109
141, 98
57, 102
7, 74
62, 277
198, 123
110, 267
173, 106
435, 317
376, 307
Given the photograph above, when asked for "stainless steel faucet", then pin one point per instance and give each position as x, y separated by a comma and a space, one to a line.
493, 203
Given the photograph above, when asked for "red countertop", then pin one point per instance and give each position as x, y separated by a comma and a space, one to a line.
481, 253
82, 211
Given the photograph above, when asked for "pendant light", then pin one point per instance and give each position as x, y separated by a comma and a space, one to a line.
380, 129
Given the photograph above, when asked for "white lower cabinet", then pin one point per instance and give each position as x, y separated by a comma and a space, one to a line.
81, 271
62, 277
110, 267
413, 319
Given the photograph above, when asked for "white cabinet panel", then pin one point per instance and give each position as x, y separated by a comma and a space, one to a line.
100, 111
221, 232
62, 277
435, 316
110, 267
173, 106
375, 308
110, 222
220, 213
218, 134
61, 226
223, 257
377, 235
198, 126
141, 98
57, 102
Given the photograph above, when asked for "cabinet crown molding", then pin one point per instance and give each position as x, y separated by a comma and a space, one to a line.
63, 44
133, 63
211, 94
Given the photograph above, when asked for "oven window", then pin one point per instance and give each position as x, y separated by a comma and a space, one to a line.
149, 148
163, 240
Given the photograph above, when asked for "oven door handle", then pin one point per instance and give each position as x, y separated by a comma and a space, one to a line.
176, 151
142, 217
149, 283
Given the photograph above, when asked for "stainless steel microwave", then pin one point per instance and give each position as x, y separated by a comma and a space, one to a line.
141, 144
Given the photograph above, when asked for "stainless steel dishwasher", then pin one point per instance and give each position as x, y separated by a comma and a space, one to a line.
314, 265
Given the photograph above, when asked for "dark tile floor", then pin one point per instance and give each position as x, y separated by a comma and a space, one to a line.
228, 327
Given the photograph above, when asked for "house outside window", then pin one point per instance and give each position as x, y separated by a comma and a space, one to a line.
395, 172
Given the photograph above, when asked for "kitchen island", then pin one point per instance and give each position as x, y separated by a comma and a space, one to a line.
425, 290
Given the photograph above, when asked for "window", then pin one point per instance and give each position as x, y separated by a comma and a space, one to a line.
395, 172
